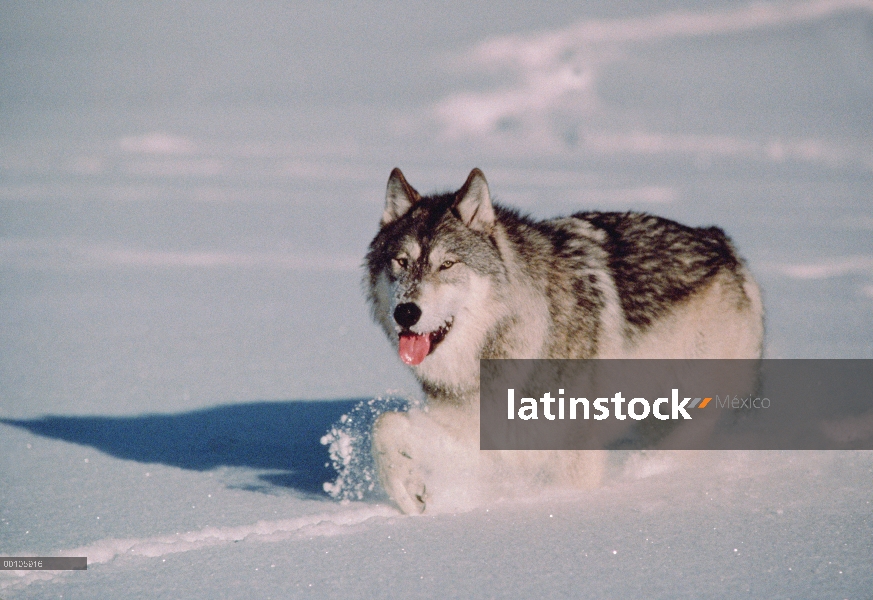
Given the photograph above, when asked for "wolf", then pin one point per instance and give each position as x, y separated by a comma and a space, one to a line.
452, 278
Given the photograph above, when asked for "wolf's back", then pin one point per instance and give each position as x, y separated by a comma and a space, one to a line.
612, 277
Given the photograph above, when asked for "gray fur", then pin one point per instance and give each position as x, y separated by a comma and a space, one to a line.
654, 264
485, 281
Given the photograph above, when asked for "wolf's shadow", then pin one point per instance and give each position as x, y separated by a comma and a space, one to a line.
281, 437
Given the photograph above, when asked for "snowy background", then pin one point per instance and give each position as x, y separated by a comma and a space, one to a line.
187, 190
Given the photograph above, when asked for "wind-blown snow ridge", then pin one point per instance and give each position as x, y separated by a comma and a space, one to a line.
555, 73
157, 143
833, 267
542, 48
28, 253
104, 551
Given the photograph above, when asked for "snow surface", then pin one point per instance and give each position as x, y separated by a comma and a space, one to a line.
186, 195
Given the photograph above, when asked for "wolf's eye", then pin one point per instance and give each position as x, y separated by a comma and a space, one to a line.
447, 264
402, 262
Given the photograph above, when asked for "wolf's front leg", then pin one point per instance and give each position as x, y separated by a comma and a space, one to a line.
396, 462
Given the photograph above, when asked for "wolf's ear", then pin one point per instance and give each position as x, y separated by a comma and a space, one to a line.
473, 203
399, 198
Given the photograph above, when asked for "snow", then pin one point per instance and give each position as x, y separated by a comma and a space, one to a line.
187, 358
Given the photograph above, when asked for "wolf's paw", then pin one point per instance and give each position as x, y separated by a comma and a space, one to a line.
406, 488
398, 472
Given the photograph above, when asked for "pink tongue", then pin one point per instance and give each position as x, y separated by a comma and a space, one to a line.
414, 348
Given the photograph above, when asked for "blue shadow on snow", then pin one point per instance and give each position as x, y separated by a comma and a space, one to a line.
277, 436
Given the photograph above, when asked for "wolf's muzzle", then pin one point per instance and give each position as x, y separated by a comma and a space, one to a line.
407, 314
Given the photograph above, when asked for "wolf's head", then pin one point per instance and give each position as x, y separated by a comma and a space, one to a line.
432, 273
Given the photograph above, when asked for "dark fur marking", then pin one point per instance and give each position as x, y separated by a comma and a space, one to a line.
657, 263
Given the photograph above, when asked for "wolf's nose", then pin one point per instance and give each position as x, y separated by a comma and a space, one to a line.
407, 314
